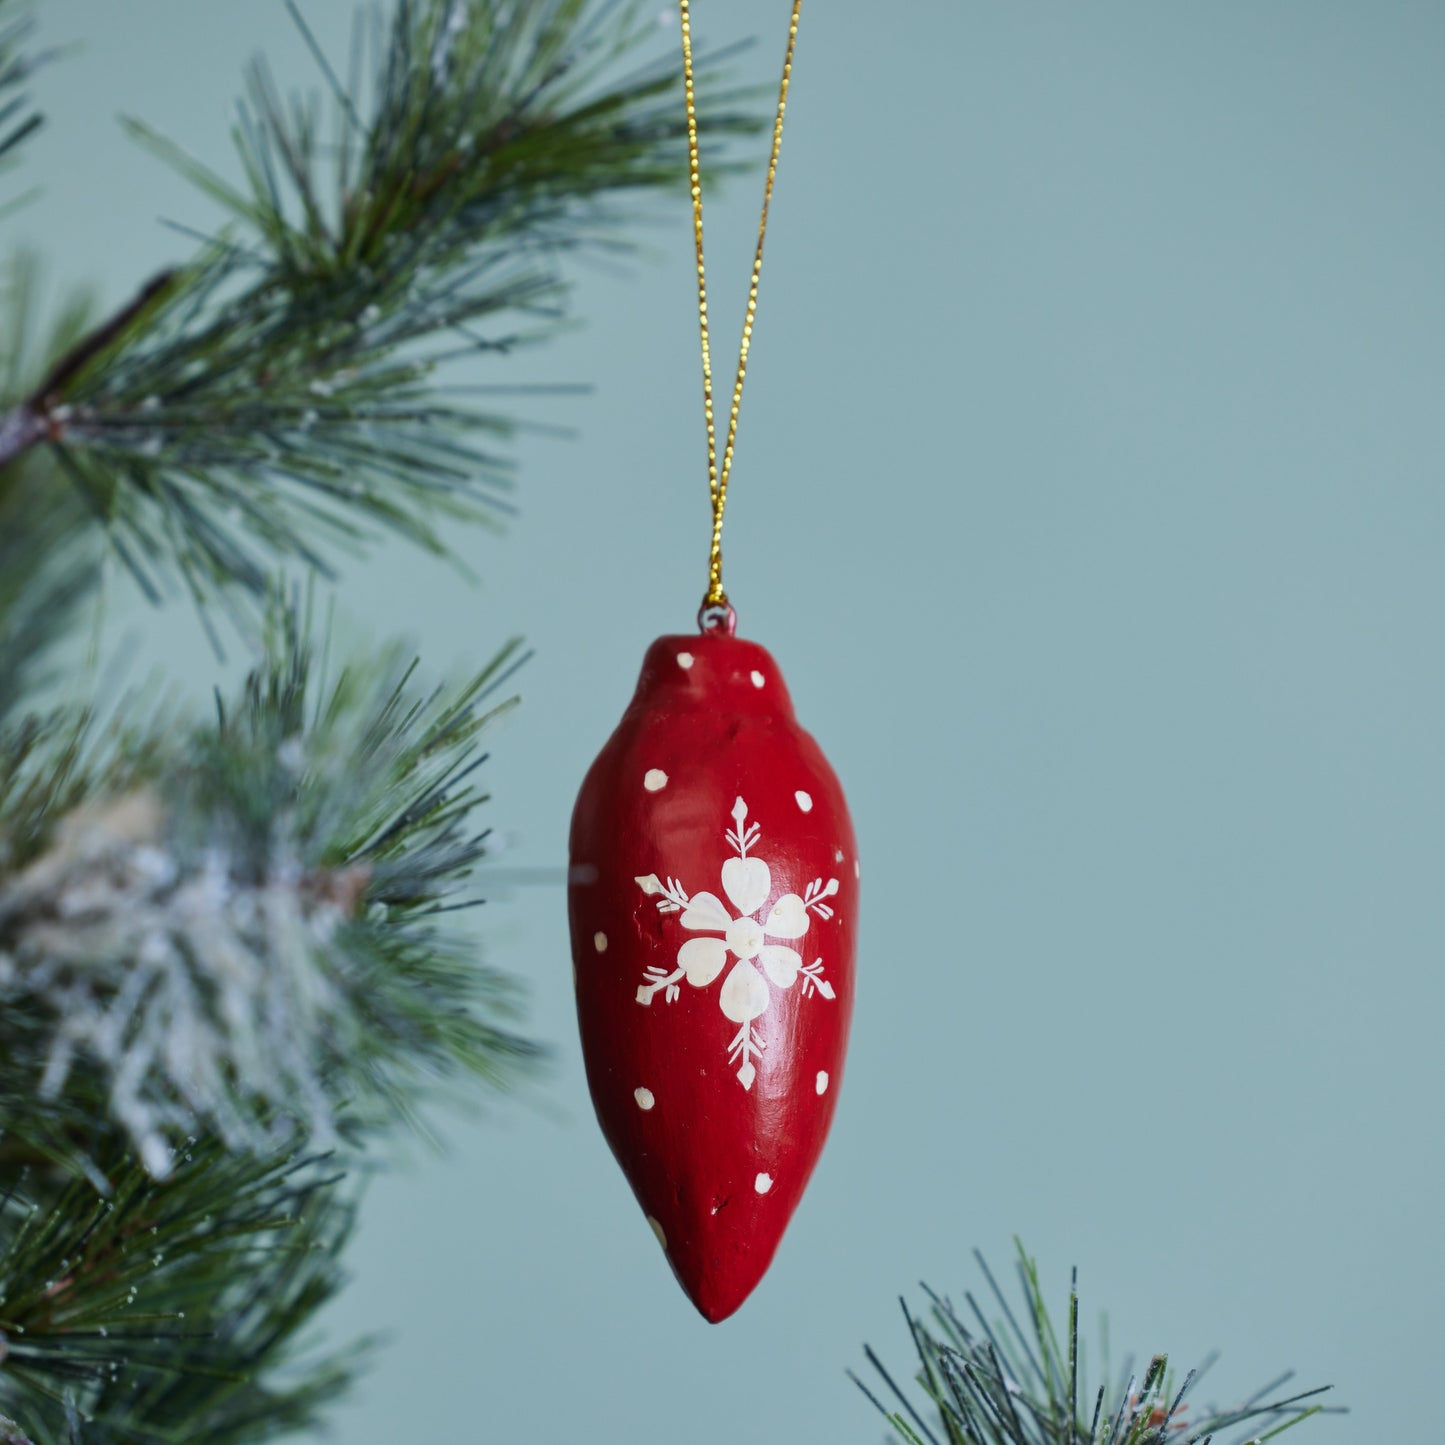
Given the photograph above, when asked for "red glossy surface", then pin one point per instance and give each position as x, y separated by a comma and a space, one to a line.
717, 1091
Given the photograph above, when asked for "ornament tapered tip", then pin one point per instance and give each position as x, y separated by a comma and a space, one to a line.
715, 1313
720, 1245
718, 1299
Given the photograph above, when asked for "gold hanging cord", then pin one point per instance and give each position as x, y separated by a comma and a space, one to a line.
716, 601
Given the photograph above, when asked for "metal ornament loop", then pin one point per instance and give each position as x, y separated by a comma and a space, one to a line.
717, 619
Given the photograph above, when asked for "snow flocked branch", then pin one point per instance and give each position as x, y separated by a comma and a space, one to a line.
243, 928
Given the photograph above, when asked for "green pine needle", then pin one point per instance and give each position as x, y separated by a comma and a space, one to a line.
48, 557
1003, 1380
167, 1311
18, 118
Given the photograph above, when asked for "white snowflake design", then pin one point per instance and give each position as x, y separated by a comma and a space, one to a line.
747, 882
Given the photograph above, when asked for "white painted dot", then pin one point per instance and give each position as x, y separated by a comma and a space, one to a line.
684, 659
644, 1098
599, 942
822, 1081
763, 1183
657, 1230
804, 800
838, 856
758, 679
655, 780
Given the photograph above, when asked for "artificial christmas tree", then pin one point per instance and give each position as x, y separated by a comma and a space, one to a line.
228, 963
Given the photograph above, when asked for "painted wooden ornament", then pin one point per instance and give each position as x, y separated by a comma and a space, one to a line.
713, 905
713, 908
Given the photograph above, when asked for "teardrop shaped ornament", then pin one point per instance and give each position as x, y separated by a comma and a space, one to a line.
713, 902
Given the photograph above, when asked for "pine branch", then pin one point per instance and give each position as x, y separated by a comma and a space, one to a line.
170, 1310
276, 395
1012, 1380
48, 556
247, 926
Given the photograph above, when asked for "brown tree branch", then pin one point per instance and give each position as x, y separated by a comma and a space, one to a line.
40, 416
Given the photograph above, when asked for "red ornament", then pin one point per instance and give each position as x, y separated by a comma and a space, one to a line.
714, 910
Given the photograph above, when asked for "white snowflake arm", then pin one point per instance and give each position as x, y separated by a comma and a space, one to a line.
747, 1042
674, 896
812, 976
817, 891
745, 834
662, 981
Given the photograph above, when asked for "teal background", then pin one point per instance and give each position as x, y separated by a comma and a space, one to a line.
1090, 495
